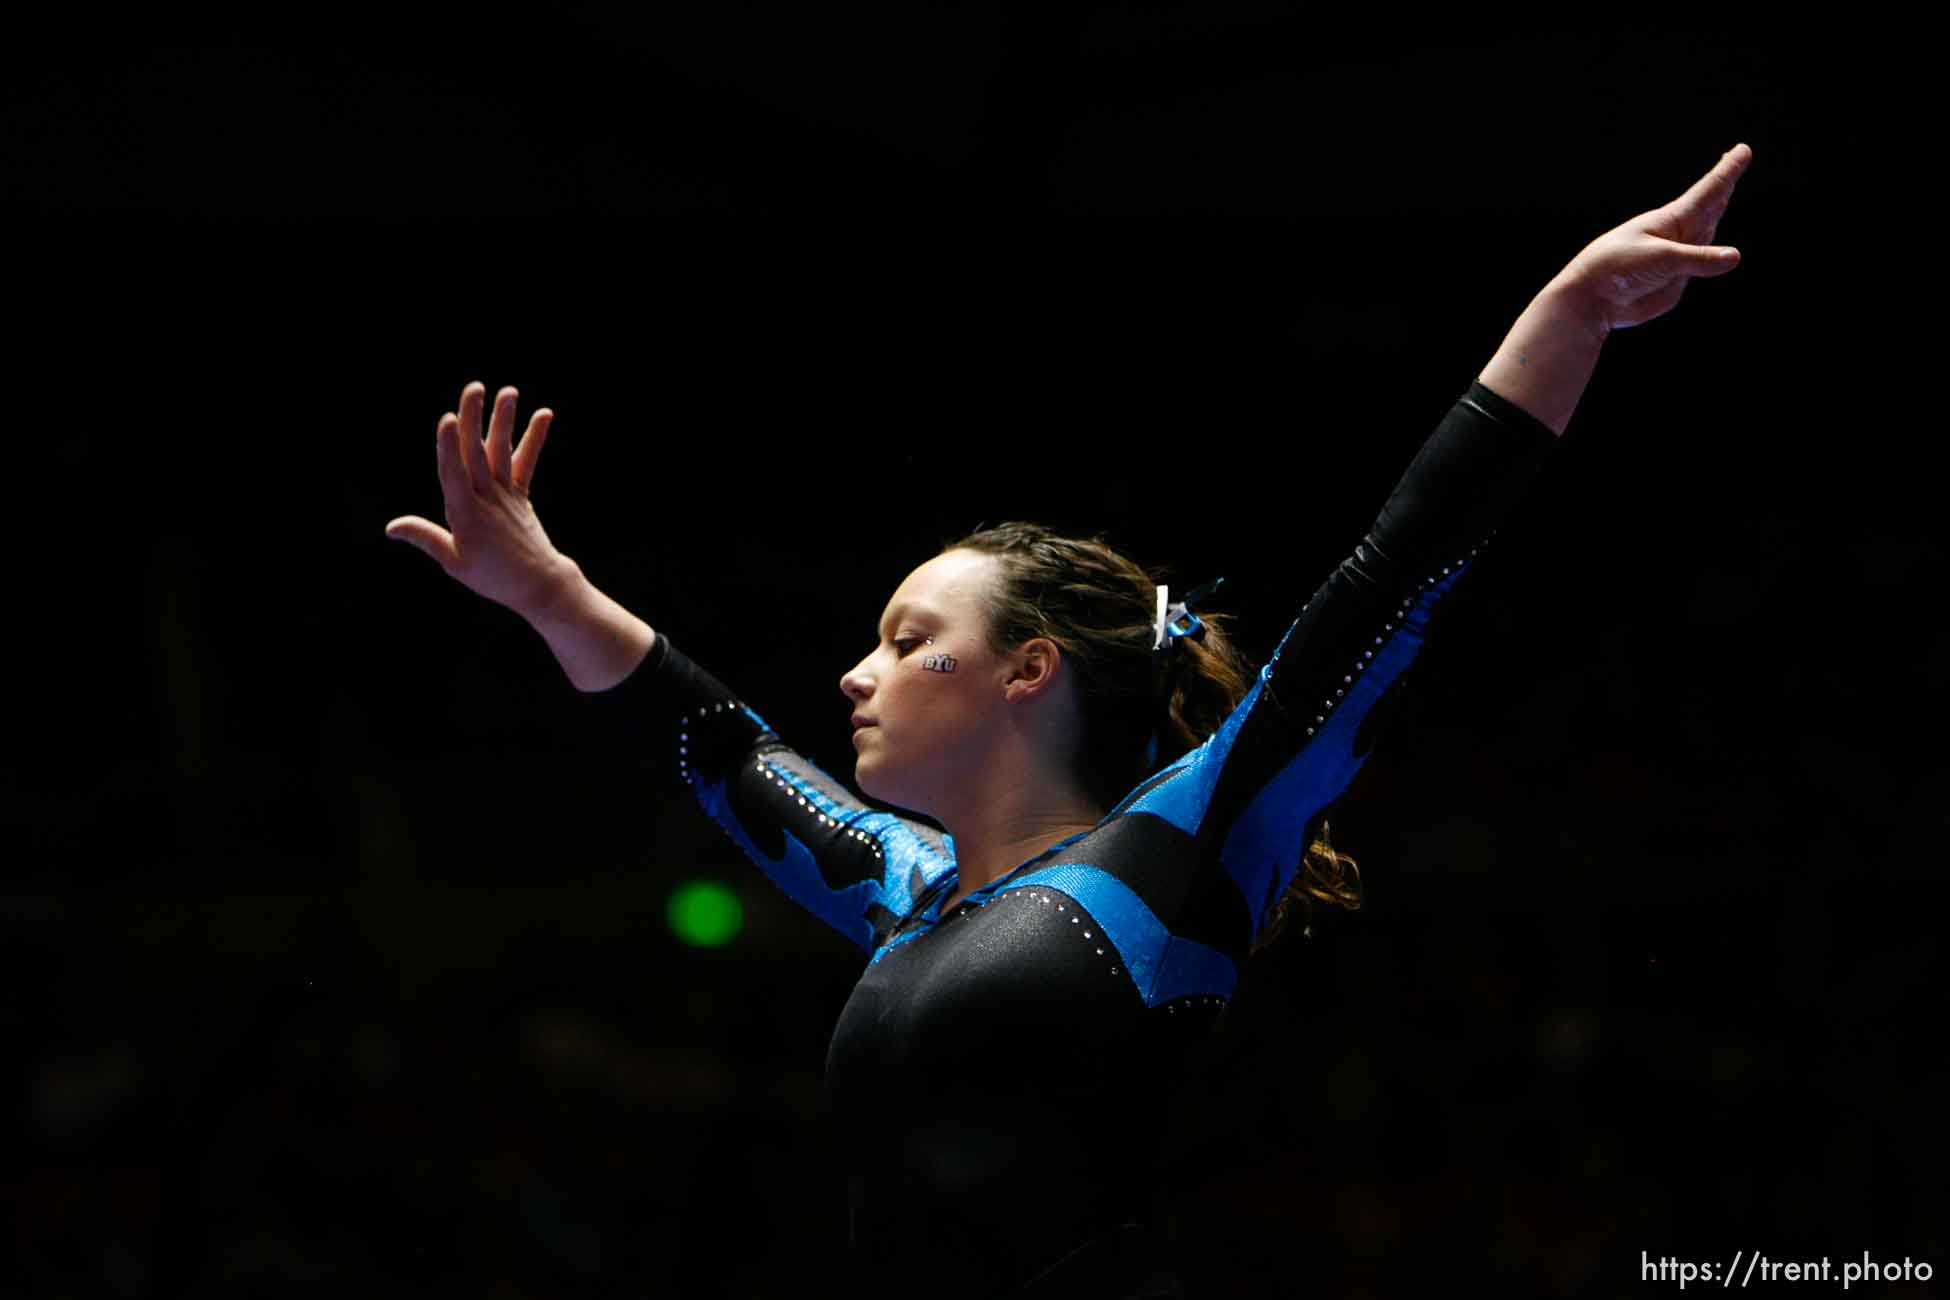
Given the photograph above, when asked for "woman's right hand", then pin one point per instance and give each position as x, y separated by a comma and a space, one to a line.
493, 544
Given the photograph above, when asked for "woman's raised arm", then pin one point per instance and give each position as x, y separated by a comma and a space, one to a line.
494, 545
1301, 734
858, 869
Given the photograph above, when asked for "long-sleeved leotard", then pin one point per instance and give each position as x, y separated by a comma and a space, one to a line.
999, 1073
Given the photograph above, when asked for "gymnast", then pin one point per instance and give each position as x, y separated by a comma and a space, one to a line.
1119, 808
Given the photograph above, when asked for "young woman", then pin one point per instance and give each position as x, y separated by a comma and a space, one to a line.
1126, 806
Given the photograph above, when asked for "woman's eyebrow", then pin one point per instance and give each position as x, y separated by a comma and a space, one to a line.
898, 612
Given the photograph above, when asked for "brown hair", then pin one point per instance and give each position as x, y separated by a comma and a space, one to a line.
1101, 610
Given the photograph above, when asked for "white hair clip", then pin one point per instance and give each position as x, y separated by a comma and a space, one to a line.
1174, 621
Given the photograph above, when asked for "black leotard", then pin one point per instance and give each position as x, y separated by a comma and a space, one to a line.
999, 1073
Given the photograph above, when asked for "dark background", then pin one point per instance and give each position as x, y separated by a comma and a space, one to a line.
333, 940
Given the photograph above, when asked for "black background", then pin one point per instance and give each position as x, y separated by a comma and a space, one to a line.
333, 931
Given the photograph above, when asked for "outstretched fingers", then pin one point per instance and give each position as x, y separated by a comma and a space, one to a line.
473, 454
530, 450
1699, 208
500, 427
456, 484
470, 409
427, 537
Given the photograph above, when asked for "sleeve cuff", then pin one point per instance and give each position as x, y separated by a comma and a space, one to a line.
1506, 412
1467, 477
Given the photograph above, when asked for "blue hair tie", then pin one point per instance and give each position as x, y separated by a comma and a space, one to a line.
1181, 619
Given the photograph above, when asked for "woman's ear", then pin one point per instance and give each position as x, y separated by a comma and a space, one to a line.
1032, 668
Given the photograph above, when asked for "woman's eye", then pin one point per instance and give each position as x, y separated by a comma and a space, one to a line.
907, 643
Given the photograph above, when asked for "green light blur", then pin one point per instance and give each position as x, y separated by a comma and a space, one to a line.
705, 914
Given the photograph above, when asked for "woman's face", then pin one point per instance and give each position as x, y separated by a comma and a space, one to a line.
931, 691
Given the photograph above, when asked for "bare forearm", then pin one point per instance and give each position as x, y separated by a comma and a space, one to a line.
1548, 356
597, 641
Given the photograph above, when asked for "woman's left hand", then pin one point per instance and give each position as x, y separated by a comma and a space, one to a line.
1636, 272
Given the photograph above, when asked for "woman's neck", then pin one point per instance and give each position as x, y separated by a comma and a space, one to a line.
989, 863
1021, 821
1017, 799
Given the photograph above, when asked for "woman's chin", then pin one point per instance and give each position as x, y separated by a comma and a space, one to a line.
867, 778
876, 783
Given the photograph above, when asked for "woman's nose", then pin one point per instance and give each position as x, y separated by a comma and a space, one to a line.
854, 683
